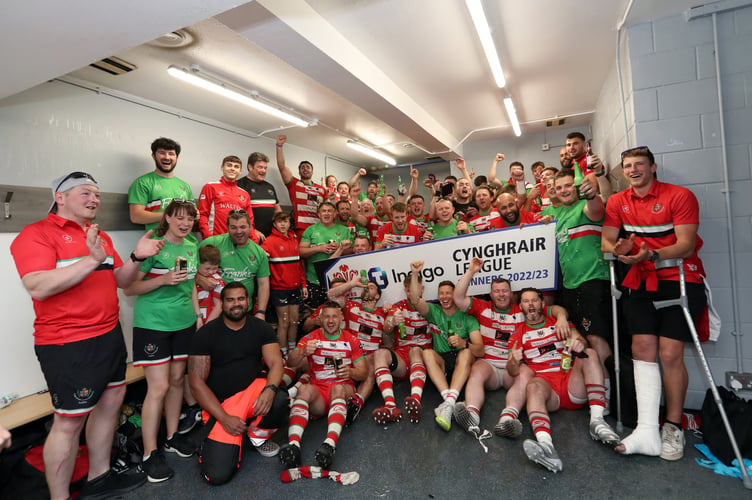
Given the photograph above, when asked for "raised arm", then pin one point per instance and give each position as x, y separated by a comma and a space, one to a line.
343, 290
284, 170
460, 290
460, 162
415, 295
492, 171
414, 176
145, 247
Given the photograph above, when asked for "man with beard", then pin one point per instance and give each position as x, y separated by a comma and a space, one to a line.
463, 201
374, 222
305, 195
325, 239
498, 320
555, 385
416, 205
564, 160
485, 216
577, 151
234, 369
511, 215
457, 342
398, 232
336, 360
584, 271
242, 259
365, 320
150, 194
264, 201
547, 196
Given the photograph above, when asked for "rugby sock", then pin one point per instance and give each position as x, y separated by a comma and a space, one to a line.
284, 355
290, 475
304, 379
386, 385
450, 396
607, 385
358, 399
288, 375
541, 425
509, 413
335, 421
258, 436
646, 438
298, 421
596, 395
417, 379
474, 414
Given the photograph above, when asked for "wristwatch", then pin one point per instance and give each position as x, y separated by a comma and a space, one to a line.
654, 255
136, 259
270, 386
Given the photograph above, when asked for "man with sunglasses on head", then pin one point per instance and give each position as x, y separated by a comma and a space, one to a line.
242, 259
150, 194
659, 221
72, 272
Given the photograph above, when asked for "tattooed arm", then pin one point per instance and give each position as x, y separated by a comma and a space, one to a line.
198, 371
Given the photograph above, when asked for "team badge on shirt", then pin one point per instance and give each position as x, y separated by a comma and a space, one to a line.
658, 208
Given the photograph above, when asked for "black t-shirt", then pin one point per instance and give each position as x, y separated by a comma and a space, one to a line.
461, 208
263, 200
236, 356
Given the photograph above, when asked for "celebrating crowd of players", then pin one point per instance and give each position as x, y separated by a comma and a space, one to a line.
206, 302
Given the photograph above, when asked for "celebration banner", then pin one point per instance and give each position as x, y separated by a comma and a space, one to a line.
527, 257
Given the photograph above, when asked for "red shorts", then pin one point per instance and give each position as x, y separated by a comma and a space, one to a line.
325, 389
559, 382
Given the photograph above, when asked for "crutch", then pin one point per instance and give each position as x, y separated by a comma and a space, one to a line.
615, 296
682, 301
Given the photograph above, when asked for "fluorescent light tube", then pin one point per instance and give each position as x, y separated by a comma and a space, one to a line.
512, 116
486, 40
371, 152
222, 89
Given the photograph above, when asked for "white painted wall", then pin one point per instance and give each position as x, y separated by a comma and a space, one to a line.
672, 107
55, 128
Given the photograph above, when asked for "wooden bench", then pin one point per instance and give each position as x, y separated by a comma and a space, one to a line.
33, 407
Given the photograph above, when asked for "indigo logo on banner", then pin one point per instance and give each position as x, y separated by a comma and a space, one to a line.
379, 276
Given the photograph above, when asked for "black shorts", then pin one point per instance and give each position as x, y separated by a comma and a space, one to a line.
281, 298
450, 361
589, 308
154, 347
644, 318
78, 373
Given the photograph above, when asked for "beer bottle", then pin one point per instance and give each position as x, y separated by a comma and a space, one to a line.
566, 357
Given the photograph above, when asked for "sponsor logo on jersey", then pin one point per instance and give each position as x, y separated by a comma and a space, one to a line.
67, 238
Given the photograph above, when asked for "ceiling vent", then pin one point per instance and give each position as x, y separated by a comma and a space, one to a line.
558, 122
173, 40
114, 66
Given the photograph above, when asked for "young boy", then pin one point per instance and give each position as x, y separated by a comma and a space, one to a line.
209, 303
220, 198
287, 279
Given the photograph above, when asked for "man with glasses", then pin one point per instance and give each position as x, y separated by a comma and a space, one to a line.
150, 194
242, 259
72, 272
659, 221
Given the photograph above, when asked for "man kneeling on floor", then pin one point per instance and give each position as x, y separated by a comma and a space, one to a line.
336, 359
557, 382
226, 375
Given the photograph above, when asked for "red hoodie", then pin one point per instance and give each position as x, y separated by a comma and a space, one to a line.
285, 263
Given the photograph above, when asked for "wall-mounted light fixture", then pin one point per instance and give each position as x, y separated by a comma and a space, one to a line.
371, 152
512, 116
486, 40
214, 84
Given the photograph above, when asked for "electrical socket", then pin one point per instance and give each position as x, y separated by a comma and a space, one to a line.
739, 381
545, 147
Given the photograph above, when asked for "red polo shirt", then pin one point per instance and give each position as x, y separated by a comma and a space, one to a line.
86, 310
652, 219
